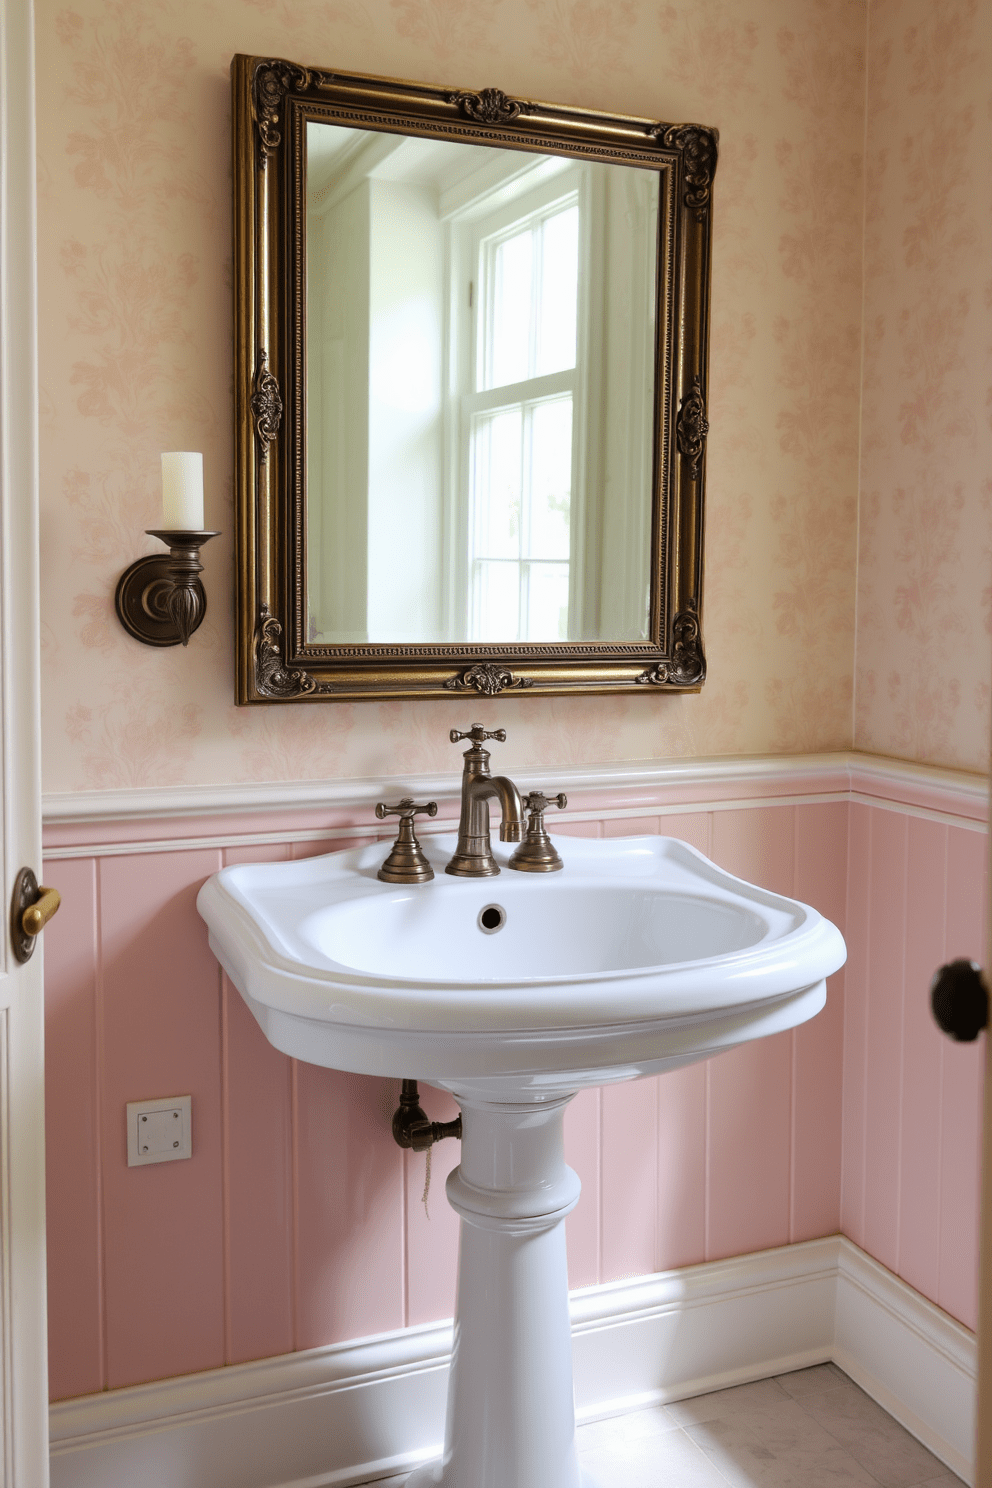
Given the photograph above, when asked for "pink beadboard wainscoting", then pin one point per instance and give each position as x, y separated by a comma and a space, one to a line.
299, 1223
917, 897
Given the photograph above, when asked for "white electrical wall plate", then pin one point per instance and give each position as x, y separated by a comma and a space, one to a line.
159, 1130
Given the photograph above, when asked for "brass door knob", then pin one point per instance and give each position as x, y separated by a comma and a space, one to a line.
31, 908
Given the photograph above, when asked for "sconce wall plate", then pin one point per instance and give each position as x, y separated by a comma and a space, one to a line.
160, 599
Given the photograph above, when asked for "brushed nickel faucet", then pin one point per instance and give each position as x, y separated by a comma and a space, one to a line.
474, 855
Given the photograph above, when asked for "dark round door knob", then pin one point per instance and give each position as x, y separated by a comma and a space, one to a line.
959, 1000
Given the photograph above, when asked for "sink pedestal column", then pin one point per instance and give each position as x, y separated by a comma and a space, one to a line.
511, 1419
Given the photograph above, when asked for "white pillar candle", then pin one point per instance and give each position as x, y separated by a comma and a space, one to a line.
182, 491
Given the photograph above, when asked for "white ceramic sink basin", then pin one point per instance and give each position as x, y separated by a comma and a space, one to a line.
513, 992
639, 955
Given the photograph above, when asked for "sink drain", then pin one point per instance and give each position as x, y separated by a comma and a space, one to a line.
491, 919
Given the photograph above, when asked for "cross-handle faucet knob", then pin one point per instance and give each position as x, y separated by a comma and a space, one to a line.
478, 734
537, 853
405, 809
537, 803
407, 862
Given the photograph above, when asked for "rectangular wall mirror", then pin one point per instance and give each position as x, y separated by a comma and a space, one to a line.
470, 391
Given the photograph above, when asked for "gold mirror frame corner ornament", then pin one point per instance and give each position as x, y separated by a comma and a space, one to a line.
272, 99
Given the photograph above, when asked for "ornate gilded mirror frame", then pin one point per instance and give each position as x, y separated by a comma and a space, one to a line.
273, 101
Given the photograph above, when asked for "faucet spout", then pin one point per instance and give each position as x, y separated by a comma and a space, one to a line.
511, 826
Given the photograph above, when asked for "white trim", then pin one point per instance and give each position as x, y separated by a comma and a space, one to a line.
23, 1324
129, 848
916, 1361
351, 1412
108, 818
925, 813
968, 787
649, 777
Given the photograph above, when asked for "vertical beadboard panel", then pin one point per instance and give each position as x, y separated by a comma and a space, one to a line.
749, 1148
922, 1056
258, 1148
349, 1220
597, 1248
629, 1178
681, 1224
583, 1225
320, 849
750, 1088
757, 844
682, 1118
72, 1116
694, 827
886, 976
818, 1046
564, 828
962, 1091
431, 1233
161, 1036
633, 826
259, 1145
859, 863
258, 1139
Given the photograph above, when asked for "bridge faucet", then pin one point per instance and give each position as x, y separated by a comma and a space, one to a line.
474, 855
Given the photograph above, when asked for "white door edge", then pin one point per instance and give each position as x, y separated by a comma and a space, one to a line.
23, 1328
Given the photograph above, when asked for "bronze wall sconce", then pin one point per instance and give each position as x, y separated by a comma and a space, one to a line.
160, 599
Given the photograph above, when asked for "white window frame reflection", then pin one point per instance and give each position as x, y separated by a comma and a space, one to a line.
473, 246
526, 569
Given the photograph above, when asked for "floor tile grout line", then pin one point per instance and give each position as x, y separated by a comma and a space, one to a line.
837, 1439
699, 1449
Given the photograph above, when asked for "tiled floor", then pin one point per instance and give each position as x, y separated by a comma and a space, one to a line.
811, 1429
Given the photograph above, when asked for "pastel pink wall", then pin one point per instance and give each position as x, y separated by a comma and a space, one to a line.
925, 562
298, 1221
135, 296
917, 896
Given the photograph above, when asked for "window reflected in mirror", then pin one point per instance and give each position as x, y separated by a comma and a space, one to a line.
480, 374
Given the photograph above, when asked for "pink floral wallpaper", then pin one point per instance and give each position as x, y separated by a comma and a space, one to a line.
134, 180
925, 560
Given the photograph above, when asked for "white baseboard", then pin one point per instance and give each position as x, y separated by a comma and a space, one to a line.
915, 1360
664, 1337
350, 1412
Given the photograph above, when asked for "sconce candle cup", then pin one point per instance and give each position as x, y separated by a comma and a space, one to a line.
471, 388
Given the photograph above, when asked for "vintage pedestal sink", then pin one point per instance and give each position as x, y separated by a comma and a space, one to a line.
513, 992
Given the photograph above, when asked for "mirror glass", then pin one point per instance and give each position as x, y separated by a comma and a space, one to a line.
480, 392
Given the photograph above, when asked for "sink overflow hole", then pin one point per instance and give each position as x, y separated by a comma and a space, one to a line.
492, 918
